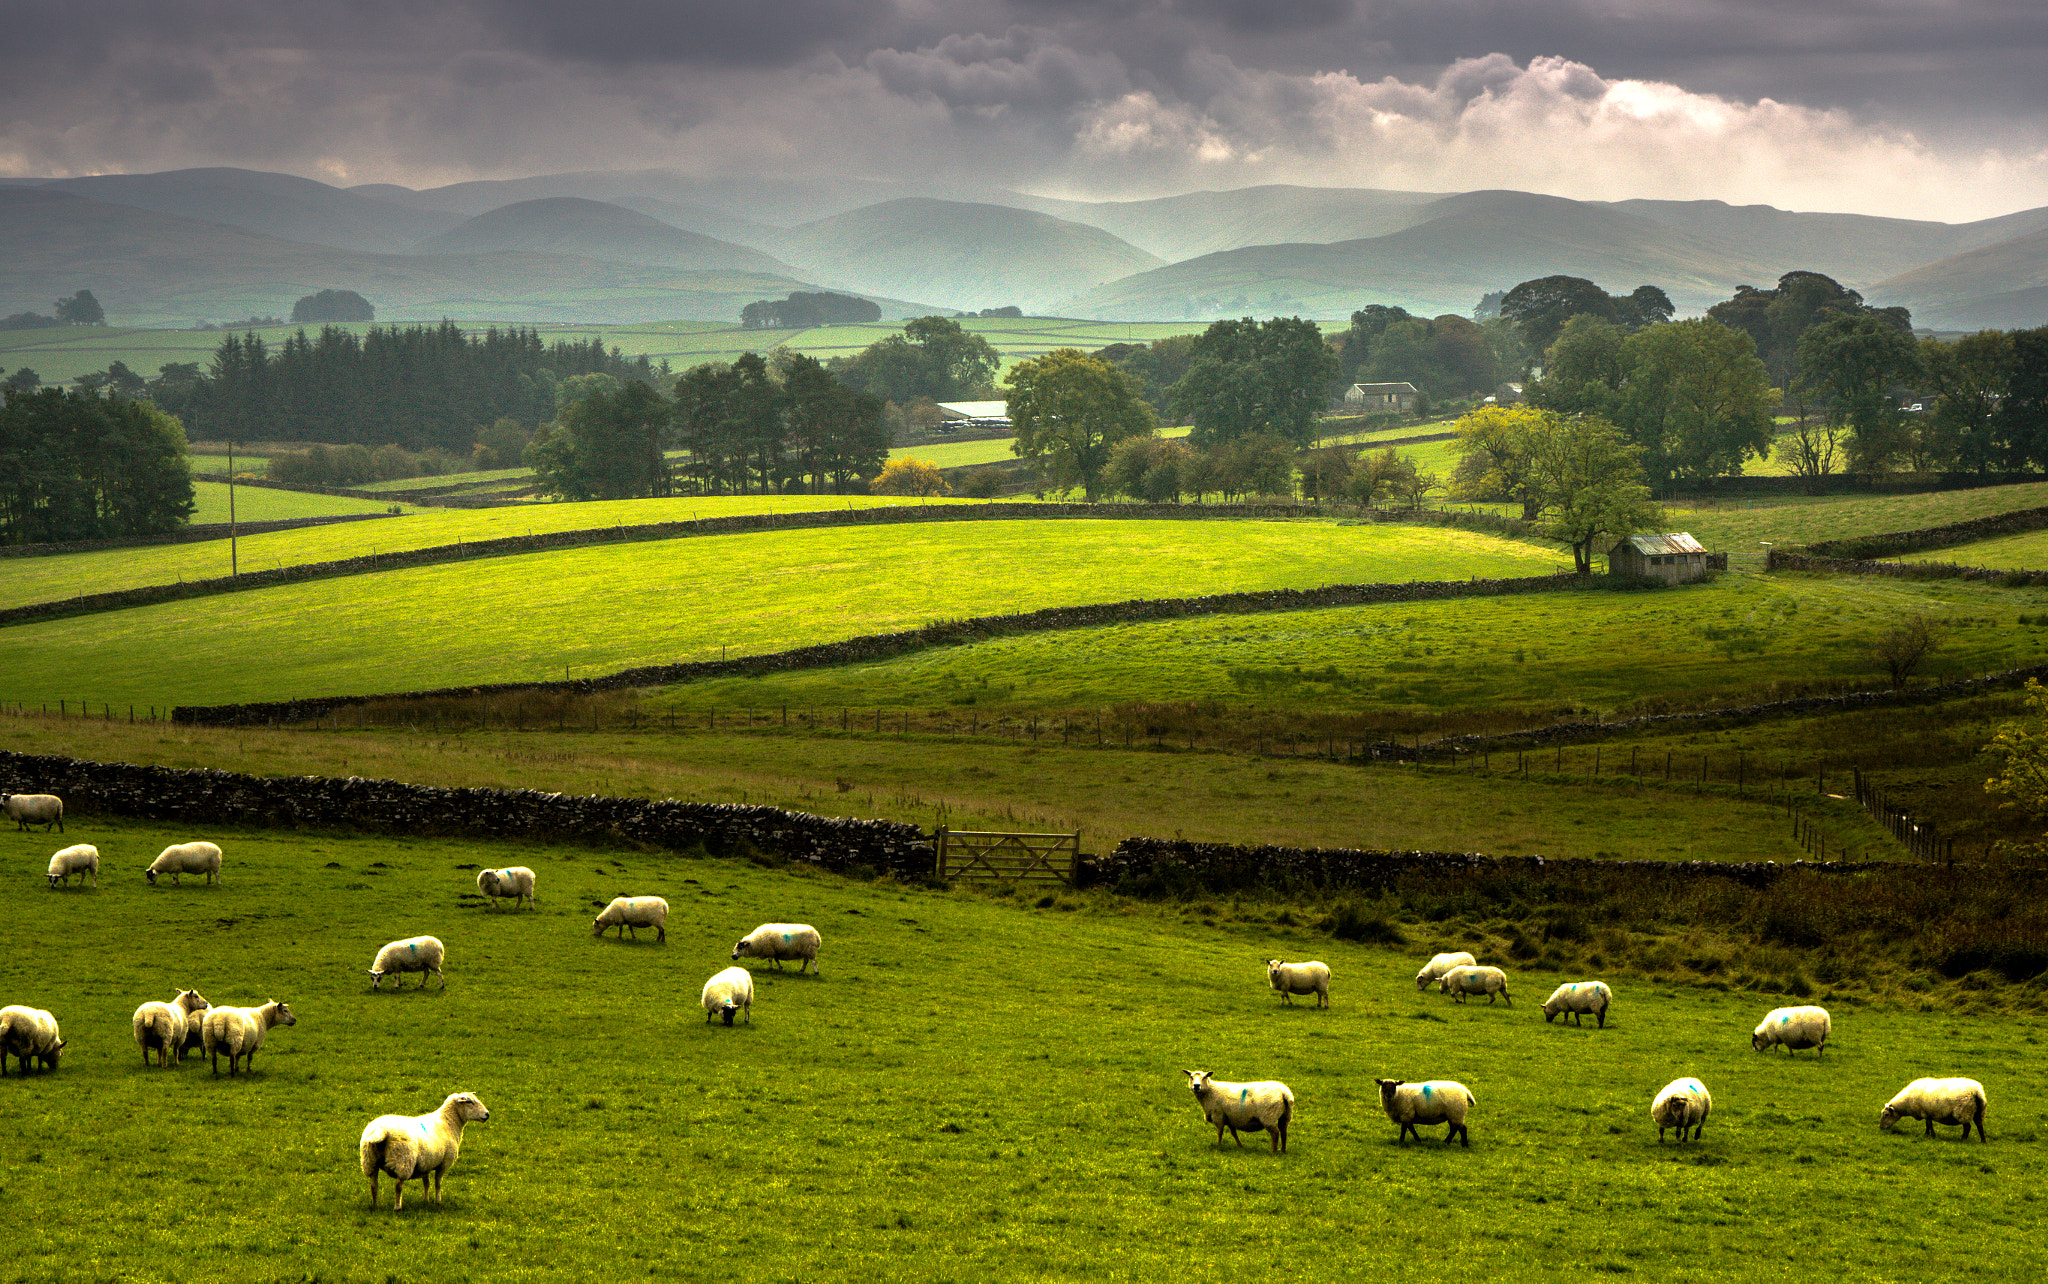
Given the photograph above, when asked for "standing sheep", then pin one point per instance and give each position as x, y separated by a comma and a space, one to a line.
1299, 978
1442, 963
1794, 1028
1575, 998
631, 913
727, 993
1938, 1101
1438, 1101
422, 1146
1683, 1104
239, 1032
165, 1026
1467, 979
779, 941
186, 858
421, 954
82, 859
29, 1032
34, 809
1266, 1106
516, 882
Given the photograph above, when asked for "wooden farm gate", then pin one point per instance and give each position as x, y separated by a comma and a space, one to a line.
1020, 858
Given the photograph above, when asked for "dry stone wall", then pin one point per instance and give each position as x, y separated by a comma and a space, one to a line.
1870, 548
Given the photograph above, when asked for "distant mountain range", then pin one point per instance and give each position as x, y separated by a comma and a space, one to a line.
188, 245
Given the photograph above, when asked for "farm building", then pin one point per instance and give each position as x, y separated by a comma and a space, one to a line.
1673, 558
1379, 398
982, 416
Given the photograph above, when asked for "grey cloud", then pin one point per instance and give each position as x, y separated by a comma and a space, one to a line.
696, 32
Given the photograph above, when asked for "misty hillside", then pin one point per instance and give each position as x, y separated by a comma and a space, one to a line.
779, 202
1198, 223
292, 209
154, 269
1991, 286
970, 256
702, 218
573, 225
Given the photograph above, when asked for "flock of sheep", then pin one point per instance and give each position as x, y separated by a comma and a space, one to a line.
1683, 1104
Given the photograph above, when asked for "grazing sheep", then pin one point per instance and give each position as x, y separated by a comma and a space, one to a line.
631, 913
422, 1146
1442, 963
1938, 1101
34, 809
186, 858
1467, 979
516, 882
239, 1032
1575, 998
1266, 1106
727, 993
82, 859
1299, 978
779, 941
1438, 1101
1795, 1028
1683, 1104
167, 1026
421, 954
29, 1032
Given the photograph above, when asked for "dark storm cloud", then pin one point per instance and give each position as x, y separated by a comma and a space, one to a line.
693, 32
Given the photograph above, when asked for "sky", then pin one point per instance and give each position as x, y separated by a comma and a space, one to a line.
1913, 108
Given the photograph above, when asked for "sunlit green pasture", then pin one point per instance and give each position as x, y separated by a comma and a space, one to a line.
1737, 525
41, 579
2026, 551
1727, 641
252, 504
972, 1089
594, 610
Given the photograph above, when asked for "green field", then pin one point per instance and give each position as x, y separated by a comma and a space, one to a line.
598, 609
2027, 551
256, 504
1737, 525
972, 1090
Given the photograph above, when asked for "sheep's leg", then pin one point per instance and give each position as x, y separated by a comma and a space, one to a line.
1930, 1125
373, 1187
437, 1186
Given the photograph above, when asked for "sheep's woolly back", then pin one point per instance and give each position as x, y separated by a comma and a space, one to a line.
779, 941
1440, 964
729, 991
1793, 1029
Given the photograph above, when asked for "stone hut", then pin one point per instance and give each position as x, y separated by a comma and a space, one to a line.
1673, 558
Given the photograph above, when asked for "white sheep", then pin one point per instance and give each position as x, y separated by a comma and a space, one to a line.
1437, 1101
421, 954
186, 858
166, 1026
1266, 1106
1794, 1028
1299, 978
779, 941
1468, 979
239, 1032
1575, 998
631, 913
1683, 1104
417, 1146
82, 859
29, 1032
1440, 964
729, 992
34, 809
1938, 1101
516, 882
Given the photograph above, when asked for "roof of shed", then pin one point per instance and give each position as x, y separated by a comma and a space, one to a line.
976, 409
1676, 542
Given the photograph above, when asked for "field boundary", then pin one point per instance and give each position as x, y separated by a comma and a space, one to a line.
1777, 561
876, 646
1841, 484
200, 534
516, 545
1868, 548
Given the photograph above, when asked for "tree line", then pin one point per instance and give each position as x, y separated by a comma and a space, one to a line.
77, 465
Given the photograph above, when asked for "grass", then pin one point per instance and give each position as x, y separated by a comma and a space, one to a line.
252, 504
2026, 551
939, 1105
603, 608
1736, 525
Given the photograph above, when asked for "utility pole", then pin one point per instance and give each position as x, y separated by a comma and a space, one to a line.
234, 554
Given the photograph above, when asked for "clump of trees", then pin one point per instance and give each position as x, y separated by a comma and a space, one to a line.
332, 305
909, 477
1576, 475
355, 465
1165, 471
1445, 357
1070, 410
932, 358
81, 466
80, 309
802, 311
1540, 308
1156, 366
1248, 378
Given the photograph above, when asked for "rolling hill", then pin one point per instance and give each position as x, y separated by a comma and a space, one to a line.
2002, 285
594, 229
280, 205
1198, 223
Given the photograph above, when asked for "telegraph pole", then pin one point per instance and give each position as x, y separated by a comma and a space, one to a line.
234, 554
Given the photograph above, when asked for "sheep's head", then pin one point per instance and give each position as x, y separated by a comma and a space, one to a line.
1758, 1042
150, 874
1443, 985
597, 926
489, 881
284, 1014
1387, 1087
1197, 1080
54, 878
740, 950
192, 1001
1888, 1116
49, 1056
467, 1107
727, 1009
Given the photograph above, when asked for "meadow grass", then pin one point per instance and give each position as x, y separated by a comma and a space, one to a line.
974, 1089
1737, 525
252, 504
2026, 551
1007, 782
599, 609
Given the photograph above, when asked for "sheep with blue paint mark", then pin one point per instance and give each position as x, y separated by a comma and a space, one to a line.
421, 954
1433, 971
82, 859
1266, 1106
1576, 998
1683, 1104
515, 881
778, 941
417, 1147
729, 993
1938, 1101
1299, 978
631, 913
1437, 1101
1467, 979
1793, 1029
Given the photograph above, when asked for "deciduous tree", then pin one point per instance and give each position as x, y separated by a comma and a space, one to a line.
1071, 410
1591, 485
1250, 378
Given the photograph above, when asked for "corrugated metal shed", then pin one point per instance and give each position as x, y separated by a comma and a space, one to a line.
1656, 545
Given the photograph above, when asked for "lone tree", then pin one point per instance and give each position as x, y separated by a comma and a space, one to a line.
80, 309
333, 305
909, 477
1068, 407
1590, 482
1905, 647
